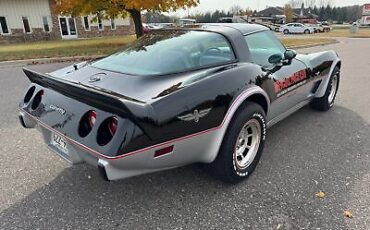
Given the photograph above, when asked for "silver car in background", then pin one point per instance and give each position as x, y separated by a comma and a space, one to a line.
296, 28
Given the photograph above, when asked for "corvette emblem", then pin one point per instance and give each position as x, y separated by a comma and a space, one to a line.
94, 78
195, 116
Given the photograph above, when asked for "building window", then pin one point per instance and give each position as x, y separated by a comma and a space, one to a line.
113, 24
100, 23
26, 25
4, 26
86, 23
45, 22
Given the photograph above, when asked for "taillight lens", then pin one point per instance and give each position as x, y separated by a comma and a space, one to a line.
91, 117
37, 100
87, 122
107, 130
113, 123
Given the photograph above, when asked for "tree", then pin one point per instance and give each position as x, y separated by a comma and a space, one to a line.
236, 10
324, 3
310, 3
288, 12
114, 8
295, 3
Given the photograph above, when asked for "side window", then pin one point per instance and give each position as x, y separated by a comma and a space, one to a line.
3, 26
45, 22
113, 24
262, 45
86, 23
26, 25
216, 50
100, 23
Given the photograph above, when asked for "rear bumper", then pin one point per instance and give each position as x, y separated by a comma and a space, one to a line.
185, 151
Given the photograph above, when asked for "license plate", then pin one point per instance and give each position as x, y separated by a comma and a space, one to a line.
59, 142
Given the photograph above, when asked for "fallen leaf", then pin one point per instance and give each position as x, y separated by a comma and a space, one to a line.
348, 214
279, 226
320, 194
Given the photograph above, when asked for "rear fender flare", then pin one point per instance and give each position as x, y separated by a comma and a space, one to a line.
237, 103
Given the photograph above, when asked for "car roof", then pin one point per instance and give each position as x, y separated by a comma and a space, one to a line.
243, 28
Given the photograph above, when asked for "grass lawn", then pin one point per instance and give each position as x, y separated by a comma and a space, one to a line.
345, 32
63, 48
292, 42
96, 46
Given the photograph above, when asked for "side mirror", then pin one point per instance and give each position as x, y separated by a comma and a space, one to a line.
275, 59
290, 55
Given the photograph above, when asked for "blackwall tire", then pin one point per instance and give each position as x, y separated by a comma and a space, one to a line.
242, 145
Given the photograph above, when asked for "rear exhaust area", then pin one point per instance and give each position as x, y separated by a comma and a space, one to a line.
27, 121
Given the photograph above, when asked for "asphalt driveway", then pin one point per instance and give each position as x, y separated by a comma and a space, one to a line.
308, 152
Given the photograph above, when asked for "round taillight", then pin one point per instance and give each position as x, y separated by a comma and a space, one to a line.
107, 130
37, 100
29, 94
87, 123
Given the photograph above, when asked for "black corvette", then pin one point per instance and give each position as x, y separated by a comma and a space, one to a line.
176, 97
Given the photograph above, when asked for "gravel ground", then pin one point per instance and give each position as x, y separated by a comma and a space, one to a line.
308, 152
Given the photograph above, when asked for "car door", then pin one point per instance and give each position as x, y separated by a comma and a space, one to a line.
299, 29
290, 27
285, 79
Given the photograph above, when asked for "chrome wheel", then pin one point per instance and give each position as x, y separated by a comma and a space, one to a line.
333, 89
247, 144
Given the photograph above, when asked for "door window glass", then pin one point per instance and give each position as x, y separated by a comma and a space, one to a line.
262, 45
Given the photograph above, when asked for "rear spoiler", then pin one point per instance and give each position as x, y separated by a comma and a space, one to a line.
96, 97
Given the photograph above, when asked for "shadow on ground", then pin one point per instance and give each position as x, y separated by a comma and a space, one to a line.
306, 153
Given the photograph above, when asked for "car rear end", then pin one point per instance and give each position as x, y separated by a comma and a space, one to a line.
82, 124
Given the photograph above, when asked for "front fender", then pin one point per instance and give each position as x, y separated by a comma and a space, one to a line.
322, 64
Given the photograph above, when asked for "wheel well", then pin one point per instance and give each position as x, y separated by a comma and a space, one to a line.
259, 99
339, 64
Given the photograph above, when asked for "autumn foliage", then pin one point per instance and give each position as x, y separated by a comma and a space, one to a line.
116, 8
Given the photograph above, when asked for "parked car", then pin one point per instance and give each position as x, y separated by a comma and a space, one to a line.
176, 97
226, 20
318, 28
296, 28
147, 27
326, 26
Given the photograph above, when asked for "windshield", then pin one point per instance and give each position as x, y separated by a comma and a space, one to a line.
168, 52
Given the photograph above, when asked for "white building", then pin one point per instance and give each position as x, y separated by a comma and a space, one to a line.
30, 20
365, 20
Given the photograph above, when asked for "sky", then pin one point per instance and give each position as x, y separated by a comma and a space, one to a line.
212, 5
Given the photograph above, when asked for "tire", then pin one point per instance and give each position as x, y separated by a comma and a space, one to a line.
286, 31
327, 101
307, 32
229, 166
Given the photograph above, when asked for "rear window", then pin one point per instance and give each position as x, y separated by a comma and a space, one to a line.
167, 52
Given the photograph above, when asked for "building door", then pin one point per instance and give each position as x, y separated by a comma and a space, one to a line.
68, 27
